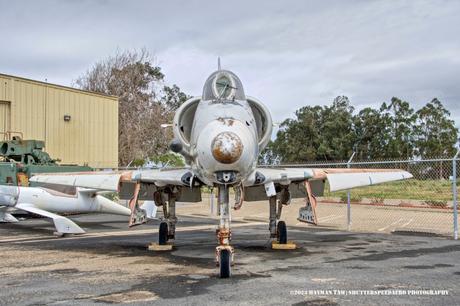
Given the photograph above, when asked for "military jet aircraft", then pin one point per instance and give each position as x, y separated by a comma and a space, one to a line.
47, 202
220, 134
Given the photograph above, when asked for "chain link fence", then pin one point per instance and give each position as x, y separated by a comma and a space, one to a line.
423, 204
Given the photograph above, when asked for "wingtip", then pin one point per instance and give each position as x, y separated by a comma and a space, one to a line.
407, 175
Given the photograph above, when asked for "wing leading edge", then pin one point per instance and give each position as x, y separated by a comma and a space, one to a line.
111, 181
339, 179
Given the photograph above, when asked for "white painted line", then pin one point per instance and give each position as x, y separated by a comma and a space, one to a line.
329, 218
394, 223
407, 223
325, 218
123, 233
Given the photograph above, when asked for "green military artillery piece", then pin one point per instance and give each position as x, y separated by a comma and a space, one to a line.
19, 159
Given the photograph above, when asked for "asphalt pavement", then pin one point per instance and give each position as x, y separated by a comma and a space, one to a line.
111, 264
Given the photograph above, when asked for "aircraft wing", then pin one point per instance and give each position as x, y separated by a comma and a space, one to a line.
339, 179
114, 181
111, 181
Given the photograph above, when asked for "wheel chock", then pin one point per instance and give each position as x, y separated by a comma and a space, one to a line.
160, 247
290, 245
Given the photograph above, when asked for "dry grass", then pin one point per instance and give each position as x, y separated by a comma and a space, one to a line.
425, 190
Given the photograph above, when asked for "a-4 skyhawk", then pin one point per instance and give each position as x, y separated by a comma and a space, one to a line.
220, 135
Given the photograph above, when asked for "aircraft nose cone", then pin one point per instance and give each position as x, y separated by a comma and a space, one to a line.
227, 147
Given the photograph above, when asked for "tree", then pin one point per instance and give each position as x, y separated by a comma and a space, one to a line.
145, 102
173, 97
298, 139
336, 135
400, 118
317, 133
268, 156
372, 134
436, 132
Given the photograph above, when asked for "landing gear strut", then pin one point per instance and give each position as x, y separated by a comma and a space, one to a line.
224, 252
167, 228
277, 228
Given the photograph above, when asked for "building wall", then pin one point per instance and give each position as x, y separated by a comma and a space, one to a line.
37, 109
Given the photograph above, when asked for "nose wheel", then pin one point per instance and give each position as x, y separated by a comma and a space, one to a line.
225, 261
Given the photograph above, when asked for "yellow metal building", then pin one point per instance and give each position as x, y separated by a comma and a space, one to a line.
78, 127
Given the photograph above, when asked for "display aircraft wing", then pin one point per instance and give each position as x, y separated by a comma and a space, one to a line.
112, 181
339, 179
155, 179
309, 183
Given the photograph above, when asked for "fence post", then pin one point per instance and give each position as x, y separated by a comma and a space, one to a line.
348, 197
454, 193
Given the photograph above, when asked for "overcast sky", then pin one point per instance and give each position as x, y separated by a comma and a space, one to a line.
287, 53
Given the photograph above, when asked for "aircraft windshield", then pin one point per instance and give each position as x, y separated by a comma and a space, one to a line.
223, 85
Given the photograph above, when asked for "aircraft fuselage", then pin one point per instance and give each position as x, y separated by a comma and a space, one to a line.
219, 132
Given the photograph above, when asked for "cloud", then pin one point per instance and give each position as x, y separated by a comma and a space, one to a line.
288, 54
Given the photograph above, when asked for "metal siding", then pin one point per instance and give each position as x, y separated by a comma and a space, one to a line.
91, 136
5, 116
5, 89
85, 139
27, 110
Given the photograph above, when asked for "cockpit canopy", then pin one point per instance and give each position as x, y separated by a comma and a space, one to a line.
223, 85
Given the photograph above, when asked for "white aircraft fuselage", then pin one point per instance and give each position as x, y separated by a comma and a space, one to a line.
219, 134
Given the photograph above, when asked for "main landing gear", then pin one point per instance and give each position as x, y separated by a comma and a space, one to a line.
277, 228
167, 230
224, 251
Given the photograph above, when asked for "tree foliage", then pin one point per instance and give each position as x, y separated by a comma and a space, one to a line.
145, 102
436, 134
395, 130
317, 133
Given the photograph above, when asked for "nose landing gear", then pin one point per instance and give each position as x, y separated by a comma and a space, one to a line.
224, 251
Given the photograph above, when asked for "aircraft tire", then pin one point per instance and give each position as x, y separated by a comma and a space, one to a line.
163, 233
282, 232
224, 264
